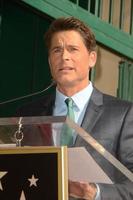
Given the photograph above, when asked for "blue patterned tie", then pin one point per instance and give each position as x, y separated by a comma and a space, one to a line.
66, 134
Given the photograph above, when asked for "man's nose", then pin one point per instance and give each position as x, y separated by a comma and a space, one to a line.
65, 54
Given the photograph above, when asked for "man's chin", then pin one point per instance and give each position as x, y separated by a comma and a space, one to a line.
65, 83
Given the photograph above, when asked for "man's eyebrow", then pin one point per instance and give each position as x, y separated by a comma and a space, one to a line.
73, 45
56, 47
60, 46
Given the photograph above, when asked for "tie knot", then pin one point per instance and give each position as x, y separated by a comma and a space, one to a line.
69, 102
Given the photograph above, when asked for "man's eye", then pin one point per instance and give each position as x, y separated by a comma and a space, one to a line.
73, 49
57, 50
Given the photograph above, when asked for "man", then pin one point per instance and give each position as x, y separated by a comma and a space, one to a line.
71, 49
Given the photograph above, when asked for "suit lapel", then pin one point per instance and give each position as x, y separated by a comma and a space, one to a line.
93, 113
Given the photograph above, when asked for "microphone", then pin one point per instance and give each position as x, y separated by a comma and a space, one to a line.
29, 95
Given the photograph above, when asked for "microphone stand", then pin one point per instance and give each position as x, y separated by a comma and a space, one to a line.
28, 95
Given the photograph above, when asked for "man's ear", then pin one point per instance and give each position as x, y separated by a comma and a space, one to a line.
93, 58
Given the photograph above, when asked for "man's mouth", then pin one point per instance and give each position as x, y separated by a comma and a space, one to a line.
66, 69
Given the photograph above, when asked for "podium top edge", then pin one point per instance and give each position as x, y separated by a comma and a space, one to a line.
32, 120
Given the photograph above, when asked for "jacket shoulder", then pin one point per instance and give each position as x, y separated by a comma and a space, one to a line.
108, 99
37, 107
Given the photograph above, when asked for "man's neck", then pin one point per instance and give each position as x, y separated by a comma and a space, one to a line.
70, 90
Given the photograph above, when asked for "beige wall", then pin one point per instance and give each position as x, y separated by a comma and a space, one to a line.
106, 77
116, 13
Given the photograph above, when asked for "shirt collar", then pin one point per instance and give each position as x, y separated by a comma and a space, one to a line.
80, 99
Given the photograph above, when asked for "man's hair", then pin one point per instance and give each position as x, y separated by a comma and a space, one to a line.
68, 24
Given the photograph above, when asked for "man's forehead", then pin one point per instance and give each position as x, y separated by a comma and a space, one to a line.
66, 38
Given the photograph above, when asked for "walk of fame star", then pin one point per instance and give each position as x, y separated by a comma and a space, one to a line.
33, 180
1, 175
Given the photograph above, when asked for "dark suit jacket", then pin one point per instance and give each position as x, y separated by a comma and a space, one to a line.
110, 122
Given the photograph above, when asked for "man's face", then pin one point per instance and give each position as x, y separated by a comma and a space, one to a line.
70, 60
